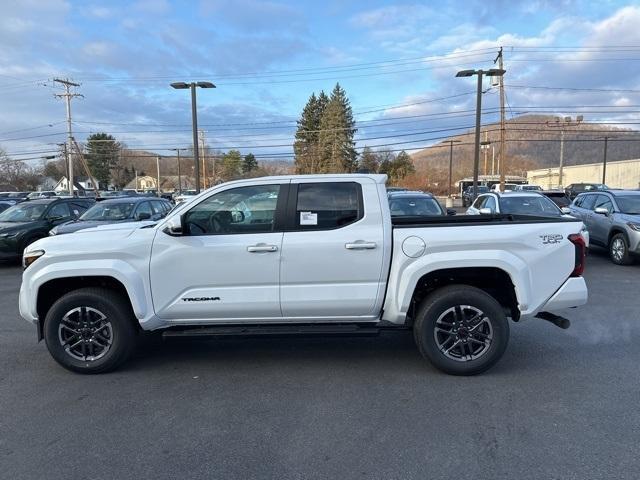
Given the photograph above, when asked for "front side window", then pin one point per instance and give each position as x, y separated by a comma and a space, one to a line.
324, 206
480, 201
602, 201
490, 204
59, 211
239, 210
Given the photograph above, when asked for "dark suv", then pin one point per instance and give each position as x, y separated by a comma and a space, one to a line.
467, 195
576, 189
613, 221
29, 221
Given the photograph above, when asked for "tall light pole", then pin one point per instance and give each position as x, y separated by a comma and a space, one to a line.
562, 124
179, 178
451, 142
492, 72
604, 159
158, 174
194, 120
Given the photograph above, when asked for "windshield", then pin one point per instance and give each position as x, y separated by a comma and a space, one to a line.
629, 205
531, 187
104, 212
559, 199
481, 189
537, 205
23, 212
414, 206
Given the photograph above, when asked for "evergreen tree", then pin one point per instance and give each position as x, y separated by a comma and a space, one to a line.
402, 166
249, 163
231, 165
368, 161
305, 146
337, 128
102, 155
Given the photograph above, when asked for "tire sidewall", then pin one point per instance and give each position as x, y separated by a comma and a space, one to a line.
449, 297
122, 331
625, 257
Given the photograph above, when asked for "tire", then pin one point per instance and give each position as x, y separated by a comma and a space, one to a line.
444, 309
619, 250
103, 323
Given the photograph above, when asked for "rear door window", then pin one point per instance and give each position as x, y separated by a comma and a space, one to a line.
325, 206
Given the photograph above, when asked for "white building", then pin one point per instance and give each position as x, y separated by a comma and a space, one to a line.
620, 174
79, 184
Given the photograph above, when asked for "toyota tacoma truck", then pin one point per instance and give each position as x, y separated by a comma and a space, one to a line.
314, 254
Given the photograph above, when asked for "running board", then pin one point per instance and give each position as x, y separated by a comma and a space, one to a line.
322, 330
557, 320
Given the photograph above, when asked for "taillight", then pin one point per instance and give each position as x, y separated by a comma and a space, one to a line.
581, 253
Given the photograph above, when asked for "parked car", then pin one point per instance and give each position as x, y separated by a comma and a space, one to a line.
613, 221
29, 221
396, 189
467, 194
184, 196
42, 194
574, 189
508, 187
518, 203
559, 197
415, 204
527, 188
13, 197
302, 254
116, 210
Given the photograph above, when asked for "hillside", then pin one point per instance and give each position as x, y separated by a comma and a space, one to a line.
531, 144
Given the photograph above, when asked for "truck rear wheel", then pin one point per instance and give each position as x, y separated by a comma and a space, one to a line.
90, 330
461, 330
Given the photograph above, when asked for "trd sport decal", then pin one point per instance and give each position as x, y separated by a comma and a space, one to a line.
553, 238
201, 299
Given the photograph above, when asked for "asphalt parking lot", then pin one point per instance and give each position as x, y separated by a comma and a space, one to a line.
560, 404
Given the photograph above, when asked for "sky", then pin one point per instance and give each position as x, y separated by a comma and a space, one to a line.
397, 62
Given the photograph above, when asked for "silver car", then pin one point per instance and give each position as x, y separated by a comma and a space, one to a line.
613, 220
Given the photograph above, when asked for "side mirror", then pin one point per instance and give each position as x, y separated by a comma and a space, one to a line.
143, 216
175, 227
486, 211
451, 212
602, 211
565, 210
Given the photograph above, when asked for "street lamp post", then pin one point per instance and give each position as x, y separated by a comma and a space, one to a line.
194, 120
493, 72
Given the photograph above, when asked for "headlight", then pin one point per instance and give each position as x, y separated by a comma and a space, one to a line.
634, 226
29, 257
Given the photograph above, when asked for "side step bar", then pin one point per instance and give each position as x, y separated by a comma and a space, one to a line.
323, 330
557, 320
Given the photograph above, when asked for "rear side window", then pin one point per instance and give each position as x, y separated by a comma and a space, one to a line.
588, 201
325, 206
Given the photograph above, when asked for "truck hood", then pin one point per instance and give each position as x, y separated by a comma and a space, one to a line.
119, 226
105, 241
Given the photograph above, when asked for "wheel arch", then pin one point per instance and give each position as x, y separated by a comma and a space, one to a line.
494, 281
614, 231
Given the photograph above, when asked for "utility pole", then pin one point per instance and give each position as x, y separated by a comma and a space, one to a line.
604, 160
179, 177
503, 125
158, 173
204, 164
562, 124
451, 142
67, 95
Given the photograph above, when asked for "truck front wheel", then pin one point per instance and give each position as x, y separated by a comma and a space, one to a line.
90, 330
461, 329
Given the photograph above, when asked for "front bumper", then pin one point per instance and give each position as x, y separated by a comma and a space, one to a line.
634, 241
9, 248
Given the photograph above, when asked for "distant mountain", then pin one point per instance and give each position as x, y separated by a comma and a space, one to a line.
533, 141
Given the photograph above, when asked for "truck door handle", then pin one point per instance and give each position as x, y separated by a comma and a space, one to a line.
360, 245
262, 248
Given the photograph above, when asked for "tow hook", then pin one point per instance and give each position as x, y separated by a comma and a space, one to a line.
557, 320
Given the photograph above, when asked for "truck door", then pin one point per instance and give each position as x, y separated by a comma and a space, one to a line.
333, 250
226, 263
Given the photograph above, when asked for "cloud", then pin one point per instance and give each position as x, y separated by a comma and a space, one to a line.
254, 15
153, 7
99, 12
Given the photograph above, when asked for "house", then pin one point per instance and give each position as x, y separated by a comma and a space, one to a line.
144, 182
80, 184
170, 183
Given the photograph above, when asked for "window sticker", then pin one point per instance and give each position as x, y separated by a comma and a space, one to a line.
308, 218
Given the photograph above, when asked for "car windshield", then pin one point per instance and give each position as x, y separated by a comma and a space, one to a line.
531, 187
594, 186
414, 206
559, 199
521, 205
481, 189
104, 212
23, 212
629, 204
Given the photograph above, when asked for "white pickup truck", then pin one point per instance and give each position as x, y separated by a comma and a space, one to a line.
316, 254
